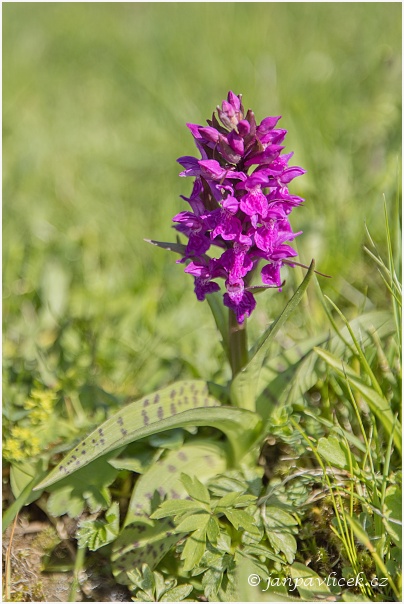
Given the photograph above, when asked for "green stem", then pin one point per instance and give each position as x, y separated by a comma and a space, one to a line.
238, 353
78, 567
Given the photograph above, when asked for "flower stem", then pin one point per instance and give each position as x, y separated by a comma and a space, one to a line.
238, 353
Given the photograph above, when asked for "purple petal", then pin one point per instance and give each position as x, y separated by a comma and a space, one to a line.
204, 287
194, 130
242, 303
233, 100
197, 270
188, 219
243, 128
229, 227
266, 156
227, 152
266, 237
291, 173
211, 168
237, 264
231, 204
236, 142
273, 137
188, 162
283, 251
271, 274
254, 202
197, 245
268, 124
210, 134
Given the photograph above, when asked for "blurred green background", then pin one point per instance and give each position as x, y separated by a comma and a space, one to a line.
95, 100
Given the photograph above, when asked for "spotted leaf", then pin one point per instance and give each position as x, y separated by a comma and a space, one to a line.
183, 404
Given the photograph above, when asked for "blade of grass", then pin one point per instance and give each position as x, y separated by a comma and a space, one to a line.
378, 404
362, 536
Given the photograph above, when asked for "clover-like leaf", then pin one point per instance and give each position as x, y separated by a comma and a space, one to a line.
97, 533
240, 520
194, 548
196, 489
177, 594
197, 521
333, 453
279, 528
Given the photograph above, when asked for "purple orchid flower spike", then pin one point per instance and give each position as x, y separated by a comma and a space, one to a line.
240, 203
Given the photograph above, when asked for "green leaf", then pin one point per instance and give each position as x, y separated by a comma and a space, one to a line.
149, 540
364, 538
143, 579
361, 328
378, 404
215, 301
392, 510
195, 522
178, 248
240, 519
174, 507
260, 550
94, 534
181, 405
310, 586
243, 388
279, 526
141, 542
331, 450
161, 585
138, 458
24, 497
172, 439
285, 378
211, 582
234, 500
194, 549
177, 594
163, 480
213, 530
196, 489
224, 542
89, 486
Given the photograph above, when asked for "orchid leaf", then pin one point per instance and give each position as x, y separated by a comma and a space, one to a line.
181, 405
244, 386
220, 315
178, 248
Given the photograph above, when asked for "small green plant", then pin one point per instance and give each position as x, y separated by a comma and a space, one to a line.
150, 586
